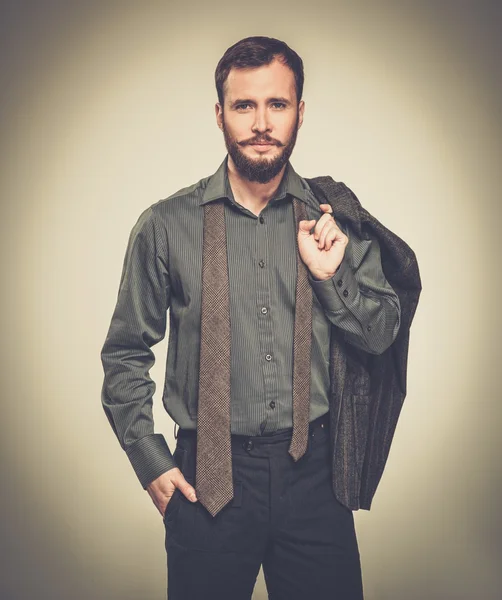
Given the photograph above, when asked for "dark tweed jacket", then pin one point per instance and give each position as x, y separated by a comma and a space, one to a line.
367, 390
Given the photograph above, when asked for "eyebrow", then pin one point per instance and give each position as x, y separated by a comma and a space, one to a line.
249, 101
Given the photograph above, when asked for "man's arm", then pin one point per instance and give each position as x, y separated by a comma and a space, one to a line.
138, 322
358, 298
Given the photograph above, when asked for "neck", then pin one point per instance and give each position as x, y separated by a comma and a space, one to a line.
251, 194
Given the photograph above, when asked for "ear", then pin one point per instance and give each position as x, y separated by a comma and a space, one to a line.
219, 115
301, 110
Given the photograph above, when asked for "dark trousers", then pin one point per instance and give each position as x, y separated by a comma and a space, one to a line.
284, 516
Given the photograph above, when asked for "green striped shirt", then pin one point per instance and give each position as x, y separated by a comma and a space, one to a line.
161, 276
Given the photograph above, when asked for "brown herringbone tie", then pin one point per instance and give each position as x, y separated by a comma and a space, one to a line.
213, 478
214, 483
302, 344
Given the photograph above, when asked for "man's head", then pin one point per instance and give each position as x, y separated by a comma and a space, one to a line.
259, 81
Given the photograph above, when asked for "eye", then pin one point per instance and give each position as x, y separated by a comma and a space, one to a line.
279, 105
242, 106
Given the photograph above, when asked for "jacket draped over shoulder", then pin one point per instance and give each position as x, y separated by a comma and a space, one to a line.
367, 390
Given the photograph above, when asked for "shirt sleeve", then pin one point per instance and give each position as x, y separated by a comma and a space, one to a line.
138, 322
358, 298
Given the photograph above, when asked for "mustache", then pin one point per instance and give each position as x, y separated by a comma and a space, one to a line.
265, 140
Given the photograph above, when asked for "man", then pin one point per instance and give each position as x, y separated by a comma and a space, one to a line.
245, 260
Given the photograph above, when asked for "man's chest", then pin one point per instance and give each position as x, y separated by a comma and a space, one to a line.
261, 254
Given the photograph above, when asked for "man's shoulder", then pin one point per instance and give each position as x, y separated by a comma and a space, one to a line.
190, 195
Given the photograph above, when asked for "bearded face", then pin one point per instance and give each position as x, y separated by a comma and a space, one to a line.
260, 118
261, 167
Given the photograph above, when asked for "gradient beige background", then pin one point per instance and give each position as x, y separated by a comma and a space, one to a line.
108, 107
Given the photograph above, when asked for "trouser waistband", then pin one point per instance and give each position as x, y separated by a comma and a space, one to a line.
276, 436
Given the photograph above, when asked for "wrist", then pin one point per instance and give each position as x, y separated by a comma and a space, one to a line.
323, 275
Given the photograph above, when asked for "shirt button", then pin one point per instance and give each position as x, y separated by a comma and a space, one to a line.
340, 283
268, 357
345, 293
249, 445
262, 220
264, 310
272, 404
368, 328
262, 263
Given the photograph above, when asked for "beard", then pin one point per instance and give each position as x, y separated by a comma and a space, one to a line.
263, 169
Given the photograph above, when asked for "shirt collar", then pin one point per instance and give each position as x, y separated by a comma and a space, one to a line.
218, 185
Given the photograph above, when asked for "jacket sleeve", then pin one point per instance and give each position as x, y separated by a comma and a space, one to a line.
358, 298
138, 322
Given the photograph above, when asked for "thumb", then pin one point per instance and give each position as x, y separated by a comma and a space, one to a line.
304, 227
187, 490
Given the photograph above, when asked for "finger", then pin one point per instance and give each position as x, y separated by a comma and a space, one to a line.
168, 497
326, 218
326, 208
305, 227
158, 504
328, 227
161, 500
330, 238
334, 235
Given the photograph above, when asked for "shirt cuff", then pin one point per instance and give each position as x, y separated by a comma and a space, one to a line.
337, 292
150, 457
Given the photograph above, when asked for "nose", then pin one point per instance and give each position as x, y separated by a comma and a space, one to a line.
261, 123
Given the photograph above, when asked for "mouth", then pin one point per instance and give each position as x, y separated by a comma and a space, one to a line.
261, 146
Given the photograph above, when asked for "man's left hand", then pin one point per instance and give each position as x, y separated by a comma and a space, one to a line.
323, 249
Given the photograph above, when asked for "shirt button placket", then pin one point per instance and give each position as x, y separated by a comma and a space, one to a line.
265, 324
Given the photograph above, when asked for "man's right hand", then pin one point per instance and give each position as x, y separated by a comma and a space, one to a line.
162, 488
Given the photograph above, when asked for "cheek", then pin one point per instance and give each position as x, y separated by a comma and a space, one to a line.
240, 129
285, 124
285, 131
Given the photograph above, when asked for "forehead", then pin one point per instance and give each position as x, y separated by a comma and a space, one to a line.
274, 79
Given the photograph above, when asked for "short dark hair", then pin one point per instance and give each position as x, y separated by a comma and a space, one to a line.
256, 51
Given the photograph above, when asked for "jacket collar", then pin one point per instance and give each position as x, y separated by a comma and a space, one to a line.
346, 205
